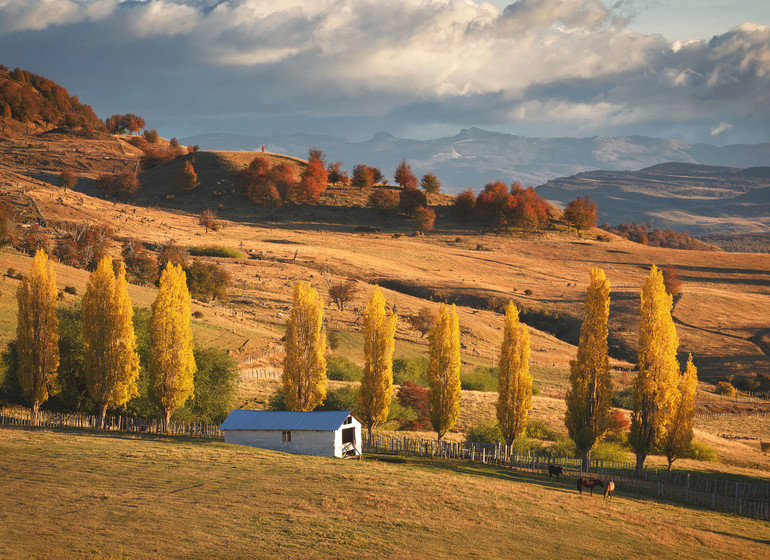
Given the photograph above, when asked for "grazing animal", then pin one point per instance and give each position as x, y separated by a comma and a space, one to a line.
610, 489
588, 483
554, 470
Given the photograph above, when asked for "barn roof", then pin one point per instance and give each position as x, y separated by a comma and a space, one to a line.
322, 421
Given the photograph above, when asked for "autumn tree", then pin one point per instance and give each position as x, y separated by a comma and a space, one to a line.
423, 321
530, 211
172, 363
679, 433
304, 367
430, 183
342, 292
314, 178
580, 214
404, 176
384, 200
495, 205
655, 385
37, 333
111, 363
514, 397
186, 178
208, 219
464, 204
140, 264
171, 252
67, 179
589, 399
335, 173
377, 382
672, 280
282, 178
254, 176
444, 371
362, 177
424, 218
410, 199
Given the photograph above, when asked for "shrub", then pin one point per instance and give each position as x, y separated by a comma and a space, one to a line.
197, 314
344, 398
726, 388
384, 200
524, 444
339, 368
482, 379
565, 447
624, 399
332, 339
207, 281
540, 429
11, 272
410, 369
71, 290
414, 397
215, 251
701, 452
486, 432
609, 451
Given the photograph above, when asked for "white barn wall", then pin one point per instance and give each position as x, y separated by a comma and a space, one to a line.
302, 441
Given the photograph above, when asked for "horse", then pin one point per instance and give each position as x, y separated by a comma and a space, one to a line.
610, 489
588, 483
554, 470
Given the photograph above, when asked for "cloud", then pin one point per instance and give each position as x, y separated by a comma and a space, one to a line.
541, 62
720, 128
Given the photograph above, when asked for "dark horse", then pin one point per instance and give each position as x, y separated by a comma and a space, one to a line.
554, 470
588, 483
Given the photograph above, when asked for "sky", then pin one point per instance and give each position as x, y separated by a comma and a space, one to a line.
693, 70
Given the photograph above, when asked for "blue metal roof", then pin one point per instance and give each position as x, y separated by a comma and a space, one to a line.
322, 421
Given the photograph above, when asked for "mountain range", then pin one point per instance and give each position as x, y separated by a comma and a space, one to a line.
475, 156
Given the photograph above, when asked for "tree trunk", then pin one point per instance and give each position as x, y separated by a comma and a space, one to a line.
166, 420
35, 412
585, 460
102, 412
369, 426
670, 462
640, 458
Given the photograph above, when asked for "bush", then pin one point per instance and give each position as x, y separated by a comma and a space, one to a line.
215, 251
410, 369
197, 314
332, 339
726, 388
624, 399
339, 368
401, 414
486, 432
701, 452
414, 397
215, 386
609, 451
71, 290
565, 447
344, 398
540, 429
482, 379
524, 444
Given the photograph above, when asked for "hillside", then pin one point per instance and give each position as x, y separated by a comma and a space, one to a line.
128, 495
474, 156
700, 199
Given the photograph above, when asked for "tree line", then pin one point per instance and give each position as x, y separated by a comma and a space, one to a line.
663, 395
103, 356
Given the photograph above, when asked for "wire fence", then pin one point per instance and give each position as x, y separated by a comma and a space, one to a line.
747, 498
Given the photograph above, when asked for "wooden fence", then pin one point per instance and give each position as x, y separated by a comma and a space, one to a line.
112, 423
757, 414
744, 498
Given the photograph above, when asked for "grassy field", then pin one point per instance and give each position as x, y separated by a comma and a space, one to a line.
82, 495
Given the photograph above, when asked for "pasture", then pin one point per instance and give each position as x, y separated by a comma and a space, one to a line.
74, 494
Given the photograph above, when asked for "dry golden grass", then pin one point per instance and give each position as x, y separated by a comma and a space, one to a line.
165, 498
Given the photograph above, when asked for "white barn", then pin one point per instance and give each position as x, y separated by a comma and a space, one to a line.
334, 433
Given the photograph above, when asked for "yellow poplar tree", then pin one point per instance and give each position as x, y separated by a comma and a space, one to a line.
304, 367
679, 432
444, 371
377, 383
37, 333
109, 343
172, 364
589, 399
514, 397
655, 385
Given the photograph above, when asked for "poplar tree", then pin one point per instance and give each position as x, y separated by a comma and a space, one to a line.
655, 385
514, 396
109, 344
37, 333
172, 364
304, 367
377, 383
444, 371
679, 433
589, 399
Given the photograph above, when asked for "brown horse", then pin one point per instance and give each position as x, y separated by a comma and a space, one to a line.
610, 489
588, 483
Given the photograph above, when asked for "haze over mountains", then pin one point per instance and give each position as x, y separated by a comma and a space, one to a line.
475, 156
